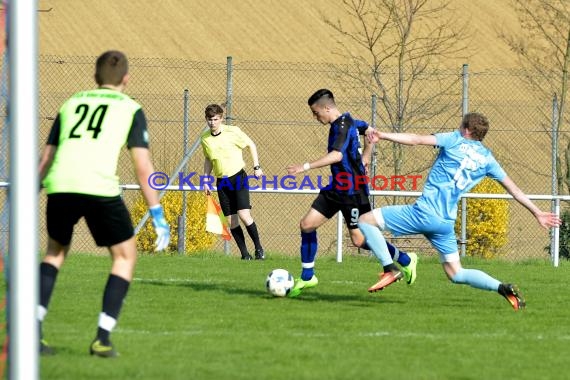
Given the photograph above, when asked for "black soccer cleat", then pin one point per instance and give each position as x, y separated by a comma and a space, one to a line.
259, 254
513, 295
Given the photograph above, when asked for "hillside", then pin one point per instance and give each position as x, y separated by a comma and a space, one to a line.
248, 30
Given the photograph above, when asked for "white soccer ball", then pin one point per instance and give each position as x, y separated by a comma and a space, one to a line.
279, 282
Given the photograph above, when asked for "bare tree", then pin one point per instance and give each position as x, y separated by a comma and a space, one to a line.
543, 47
394, 45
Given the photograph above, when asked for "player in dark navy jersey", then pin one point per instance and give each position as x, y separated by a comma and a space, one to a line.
344, 138
344, 194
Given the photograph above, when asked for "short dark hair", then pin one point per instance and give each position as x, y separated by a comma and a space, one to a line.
111, 67
213, 110
477, 124
324, 94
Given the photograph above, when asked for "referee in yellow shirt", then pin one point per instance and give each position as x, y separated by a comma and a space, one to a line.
223, 145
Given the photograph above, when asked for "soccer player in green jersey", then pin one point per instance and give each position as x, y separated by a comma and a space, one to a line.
222, 146
79, 171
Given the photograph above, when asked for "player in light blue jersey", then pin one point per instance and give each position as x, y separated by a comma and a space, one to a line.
462, 162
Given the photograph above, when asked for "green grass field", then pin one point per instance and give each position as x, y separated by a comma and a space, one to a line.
209, 317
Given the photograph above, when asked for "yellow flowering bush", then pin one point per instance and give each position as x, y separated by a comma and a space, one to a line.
196, 236
487, 221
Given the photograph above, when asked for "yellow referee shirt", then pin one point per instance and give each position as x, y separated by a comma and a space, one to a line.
225, 150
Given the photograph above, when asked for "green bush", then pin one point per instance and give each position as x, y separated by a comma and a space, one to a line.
487, 221
196, 236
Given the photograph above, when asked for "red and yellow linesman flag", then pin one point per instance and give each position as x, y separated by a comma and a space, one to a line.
215, 220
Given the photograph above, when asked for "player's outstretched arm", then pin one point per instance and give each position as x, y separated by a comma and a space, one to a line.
403, 138
545, 219
328, 159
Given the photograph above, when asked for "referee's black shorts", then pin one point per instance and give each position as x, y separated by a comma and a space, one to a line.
233, 193
108, 218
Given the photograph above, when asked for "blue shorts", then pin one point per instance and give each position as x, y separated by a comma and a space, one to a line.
412, 220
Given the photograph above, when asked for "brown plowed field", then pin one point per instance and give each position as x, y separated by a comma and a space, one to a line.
254, 30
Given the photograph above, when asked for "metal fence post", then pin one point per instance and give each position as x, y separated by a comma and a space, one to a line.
339, 237
465, 96
464, 110
463, 237
182, 219
374, 152
229, 116
229, 89
555, 203
556, 237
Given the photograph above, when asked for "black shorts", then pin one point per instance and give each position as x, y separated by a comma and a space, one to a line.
108, 218
329, 202
233, 193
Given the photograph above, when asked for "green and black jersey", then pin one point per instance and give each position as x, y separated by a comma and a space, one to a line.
89, 132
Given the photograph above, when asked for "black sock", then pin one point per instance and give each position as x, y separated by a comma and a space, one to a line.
113, 297
239, 237
48, 275
254, 235
103, 336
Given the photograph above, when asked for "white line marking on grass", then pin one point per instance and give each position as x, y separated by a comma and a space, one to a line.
162, 332
443, 336
181, 280
404, 334
346, 282
162, 279
372, 334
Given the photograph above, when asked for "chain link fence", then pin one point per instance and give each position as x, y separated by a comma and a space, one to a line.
268, 100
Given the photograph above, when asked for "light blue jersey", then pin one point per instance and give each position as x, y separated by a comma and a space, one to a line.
460, 165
